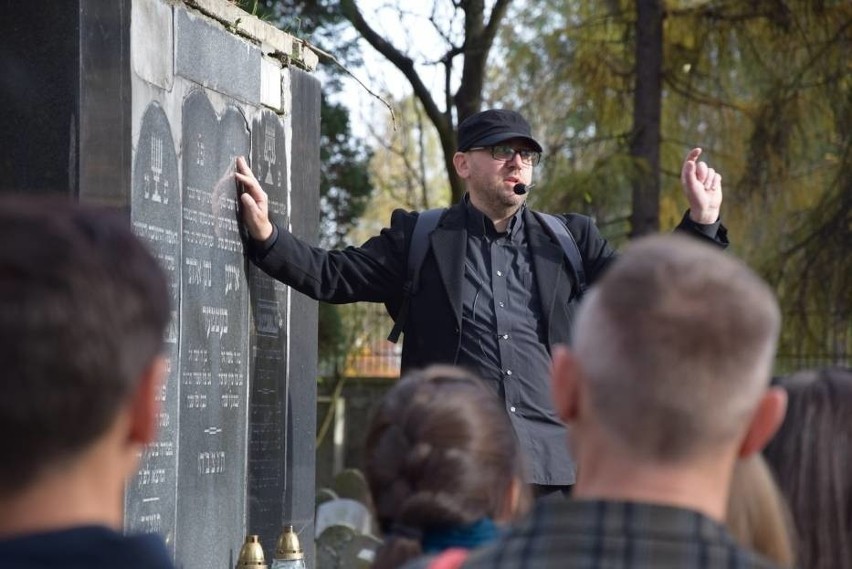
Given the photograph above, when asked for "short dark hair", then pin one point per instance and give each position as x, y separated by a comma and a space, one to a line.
83, 311
811, 455
441, 453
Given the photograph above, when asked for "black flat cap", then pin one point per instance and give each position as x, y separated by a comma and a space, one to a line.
493, 126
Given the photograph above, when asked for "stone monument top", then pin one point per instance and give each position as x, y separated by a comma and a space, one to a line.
273, 42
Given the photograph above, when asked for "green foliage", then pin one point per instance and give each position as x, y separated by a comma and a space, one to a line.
764, 87
568, 70
407, 166
793, 102
601, 190
345, 186
331, 337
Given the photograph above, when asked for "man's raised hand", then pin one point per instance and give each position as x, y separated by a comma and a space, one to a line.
702, 186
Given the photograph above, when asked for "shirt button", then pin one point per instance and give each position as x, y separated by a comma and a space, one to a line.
512, 409
505, 336
508, 372
502, 305
499, 273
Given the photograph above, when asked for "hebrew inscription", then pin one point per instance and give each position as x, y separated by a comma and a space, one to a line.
214, 369
155, 207
268, 413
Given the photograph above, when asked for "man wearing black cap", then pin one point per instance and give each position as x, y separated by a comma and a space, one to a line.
495, 291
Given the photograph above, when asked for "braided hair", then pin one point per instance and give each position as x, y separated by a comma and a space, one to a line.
440, 452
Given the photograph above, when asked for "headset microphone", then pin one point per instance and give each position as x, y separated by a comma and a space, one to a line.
521, 189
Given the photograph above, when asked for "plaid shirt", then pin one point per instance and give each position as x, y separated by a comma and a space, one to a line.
577, 534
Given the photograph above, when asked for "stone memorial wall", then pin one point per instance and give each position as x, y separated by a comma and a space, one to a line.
162, 96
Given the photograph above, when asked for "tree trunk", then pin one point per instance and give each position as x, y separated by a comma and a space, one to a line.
478, 40
448, 146
647, 101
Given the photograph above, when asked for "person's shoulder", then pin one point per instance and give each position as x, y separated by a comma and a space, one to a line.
401, 216
451, 558
571, 219
577, 221
400, 213
522, 543
750, 559
407, 219
402, 222
145, 551
88, 547
581, 227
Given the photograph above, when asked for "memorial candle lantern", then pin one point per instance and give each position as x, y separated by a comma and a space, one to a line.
288, 552
251, 554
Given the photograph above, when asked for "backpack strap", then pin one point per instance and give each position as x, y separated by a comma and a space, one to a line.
426, 223
569, 247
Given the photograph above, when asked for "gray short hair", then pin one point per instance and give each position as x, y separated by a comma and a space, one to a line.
676, 343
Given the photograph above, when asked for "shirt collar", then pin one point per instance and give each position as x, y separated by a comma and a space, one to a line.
479, 224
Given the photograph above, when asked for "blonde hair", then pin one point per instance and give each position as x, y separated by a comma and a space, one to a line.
758, 516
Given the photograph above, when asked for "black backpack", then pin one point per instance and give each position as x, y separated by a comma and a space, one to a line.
427, 221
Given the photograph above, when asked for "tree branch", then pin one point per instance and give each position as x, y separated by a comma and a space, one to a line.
497, 14
400, 60
337, 62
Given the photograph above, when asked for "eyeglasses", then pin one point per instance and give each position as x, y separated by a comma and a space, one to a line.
506, 153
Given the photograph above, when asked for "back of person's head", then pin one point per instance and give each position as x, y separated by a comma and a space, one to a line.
440, 453
757, 514
811, 456
83, 311
676, 344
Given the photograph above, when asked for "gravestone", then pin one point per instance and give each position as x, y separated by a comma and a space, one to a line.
341, 547
344, 512
144, 105
332, 546
155, 190
350, 483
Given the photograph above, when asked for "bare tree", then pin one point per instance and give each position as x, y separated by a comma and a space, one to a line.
480, 29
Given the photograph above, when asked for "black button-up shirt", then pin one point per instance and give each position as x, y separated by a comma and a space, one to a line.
503, 340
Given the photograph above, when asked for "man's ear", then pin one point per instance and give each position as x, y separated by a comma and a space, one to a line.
564, 373
461, 165
145, 406
765, 421
513, 504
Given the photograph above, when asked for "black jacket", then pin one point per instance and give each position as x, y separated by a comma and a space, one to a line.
85, 547
377, 270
